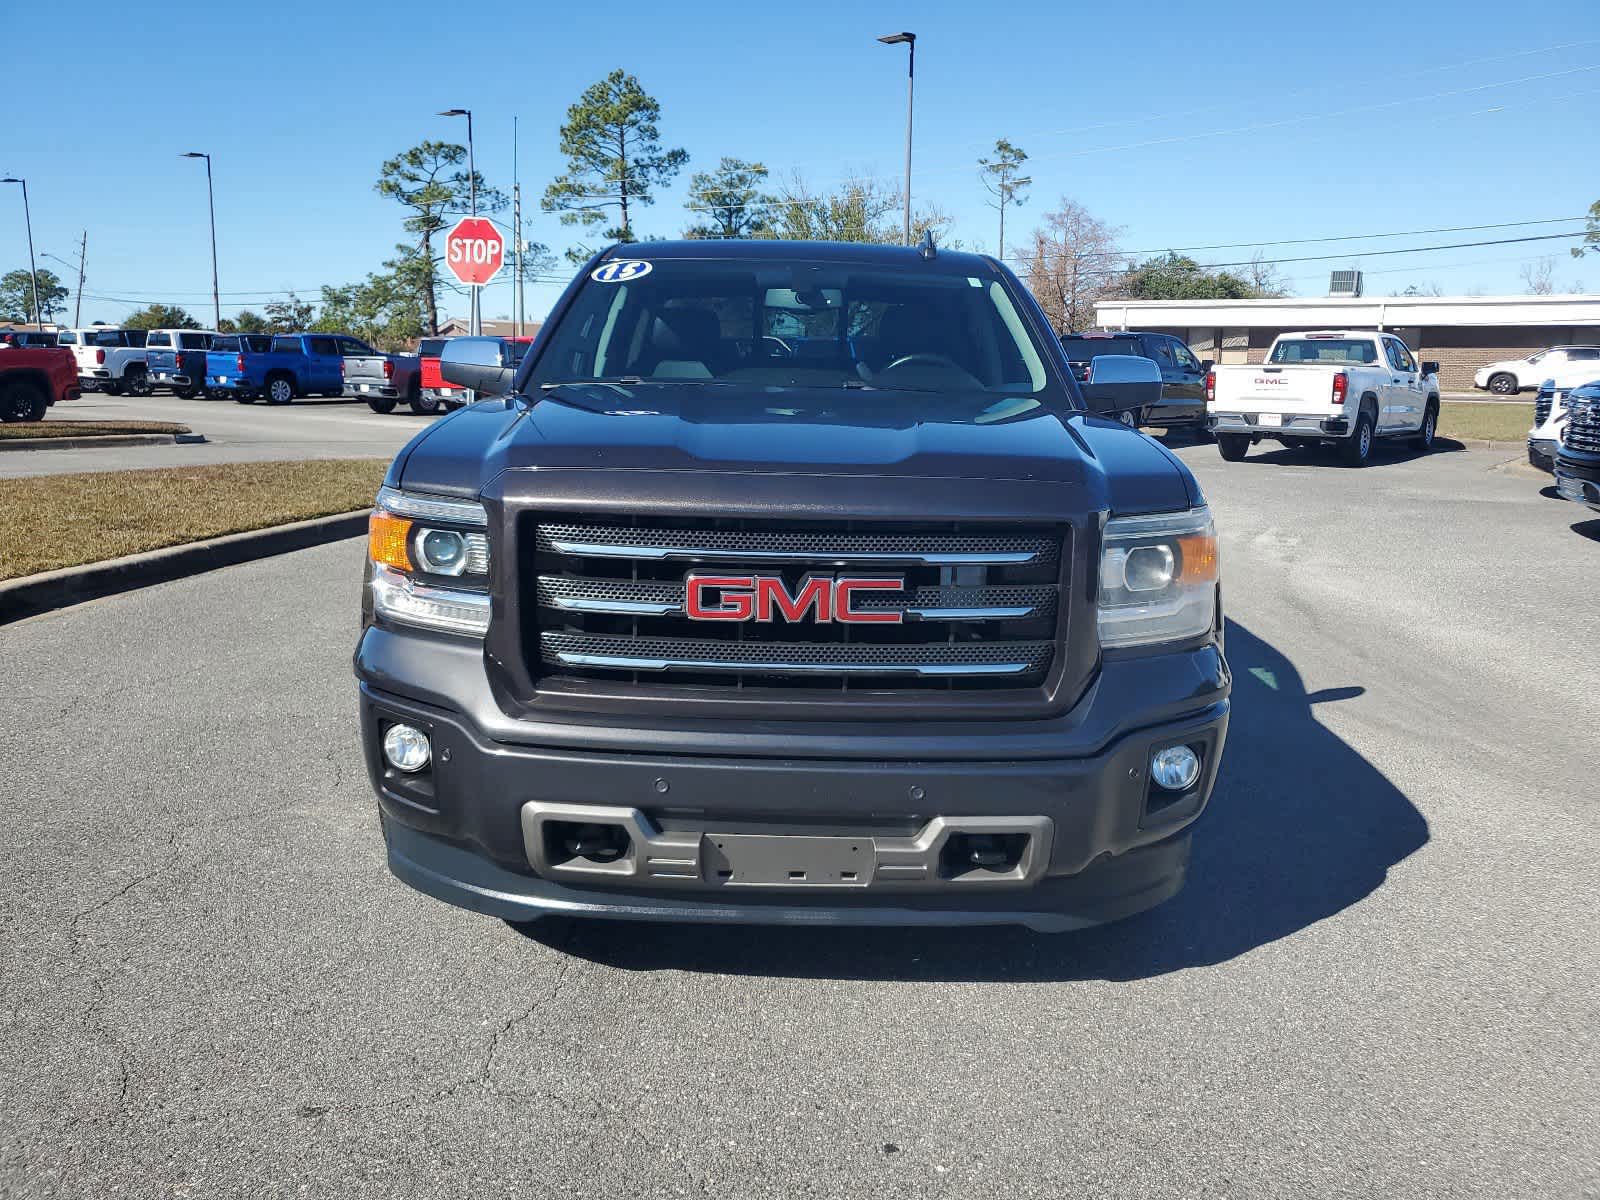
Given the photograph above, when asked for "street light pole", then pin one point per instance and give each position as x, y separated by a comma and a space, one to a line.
910, 41
516, 221
211, 204
475, 324
33, 270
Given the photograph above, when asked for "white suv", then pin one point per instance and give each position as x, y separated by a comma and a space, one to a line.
1568, 366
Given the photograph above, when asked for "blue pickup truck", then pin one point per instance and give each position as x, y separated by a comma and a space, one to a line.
277, 368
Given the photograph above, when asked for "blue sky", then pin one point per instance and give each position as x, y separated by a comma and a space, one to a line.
1182, 124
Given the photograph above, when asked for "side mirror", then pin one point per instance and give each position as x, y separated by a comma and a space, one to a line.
476, 364
1430, 368
1205, 366
1121, 383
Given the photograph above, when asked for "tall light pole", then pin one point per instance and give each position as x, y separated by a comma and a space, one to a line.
516, 221
475, 323
33, 270
910, 40
211, 204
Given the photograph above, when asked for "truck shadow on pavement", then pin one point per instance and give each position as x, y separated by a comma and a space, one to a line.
1300, 827
1385, 452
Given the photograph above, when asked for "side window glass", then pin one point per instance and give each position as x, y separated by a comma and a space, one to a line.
1186, 360
324, 345
1391, 351
1160, 350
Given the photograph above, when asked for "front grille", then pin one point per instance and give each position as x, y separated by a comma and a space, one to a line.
1583, 425
978, 608
1542, 404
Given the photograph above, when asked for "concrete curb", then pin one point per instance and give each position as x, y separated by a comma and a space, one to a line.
1483, 443
34, 594
110, 439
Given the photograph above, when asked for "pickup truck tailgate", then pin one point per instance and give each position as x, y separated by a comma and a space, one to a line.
1287, 389
366, 369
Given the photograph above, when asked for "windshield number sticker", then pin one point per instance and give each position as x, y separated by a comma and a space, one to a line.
620, 271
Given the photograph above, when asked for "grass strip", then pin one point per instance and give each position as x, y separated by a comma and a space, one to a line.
62, 429
1492, 422
67, 520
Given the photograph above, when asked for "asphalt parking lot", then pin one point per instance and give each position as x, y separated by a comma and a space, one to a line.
1382, 978
234, 433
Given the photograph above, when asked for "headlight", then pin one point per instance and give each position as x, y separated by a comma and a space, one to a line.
413, 540
1158, 578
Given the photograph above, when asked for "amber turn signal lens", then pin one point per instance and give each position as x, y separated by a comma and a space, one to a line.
388, 538
1199, 554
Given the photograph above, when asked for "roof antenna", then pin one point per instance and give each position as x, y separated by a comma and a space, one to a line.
927, 249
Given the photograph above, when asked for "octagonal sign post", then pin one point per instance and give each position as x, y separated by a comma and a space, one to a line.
474, 251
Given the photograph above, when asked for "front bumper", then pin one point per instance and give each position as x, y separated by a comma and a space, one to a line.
1093, 839
1578, 477
1542, 453
1292, 425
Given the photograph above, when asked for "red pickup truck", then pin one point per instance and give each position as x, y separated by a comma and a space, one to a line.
436, 394
34, 378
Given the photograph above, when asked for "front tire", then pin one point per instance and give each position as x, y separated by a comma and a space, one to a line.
1423, 440
22, 401
1233, 446
1503, 384
1356, 450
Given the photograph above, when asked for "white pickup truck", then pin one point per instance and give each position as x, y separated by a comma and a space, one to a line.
1346, 387
109, 359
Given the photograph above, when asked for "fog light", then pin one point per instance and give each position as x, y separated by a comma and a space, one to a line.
406, 748
1175, 768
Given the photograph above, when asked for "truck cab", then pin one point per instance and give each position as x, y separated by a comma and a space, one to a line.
1183, 373
176, 359
1347, 388
887, 621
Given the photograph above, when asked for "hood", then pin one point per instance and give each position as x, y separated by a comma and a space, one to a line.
731, 429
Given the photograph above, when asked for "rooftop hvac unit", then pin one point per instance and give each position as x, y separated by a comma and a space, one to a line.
1345, 283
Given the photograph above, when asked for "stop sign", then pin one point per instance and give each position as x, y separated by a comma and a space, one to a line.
474, 250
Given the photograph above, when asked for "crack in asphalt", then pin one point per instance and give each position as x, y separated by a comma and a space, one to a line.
565, 972
90, 1021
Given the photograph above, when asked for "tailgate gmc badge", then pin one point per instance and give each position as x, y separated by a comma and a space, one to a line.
763, 598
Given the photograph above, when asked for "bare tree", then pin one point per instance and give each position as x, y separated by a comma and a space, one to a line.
1539, 276
1263, 277
1070, 262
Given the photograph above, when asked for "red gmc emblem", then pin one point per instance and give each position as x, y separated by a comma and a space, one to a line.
766, 597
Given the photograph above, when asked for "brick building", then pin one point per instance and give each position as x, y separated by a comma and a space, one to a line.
1461, 332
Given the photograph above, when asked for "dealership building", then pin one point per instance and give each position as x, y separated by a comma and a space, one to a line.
1461, 332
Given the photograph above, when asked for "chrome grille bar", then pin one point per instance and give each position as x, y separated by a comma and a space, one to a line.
659, 599
792, 658
797, 546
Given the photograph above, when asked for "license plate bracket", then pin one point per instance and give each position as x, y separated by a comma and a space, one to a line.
1270, 420
787, 860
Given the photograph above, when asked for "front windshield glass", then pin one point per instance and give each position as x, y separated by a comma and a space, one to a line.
786, 324
1325, 350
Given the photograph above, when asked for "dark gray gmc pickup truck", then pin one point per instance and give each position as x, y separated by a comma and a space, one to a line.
794, 583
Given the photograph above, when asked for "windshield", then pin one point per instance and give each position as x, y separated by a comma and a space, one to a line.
782, 324
1325, 350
